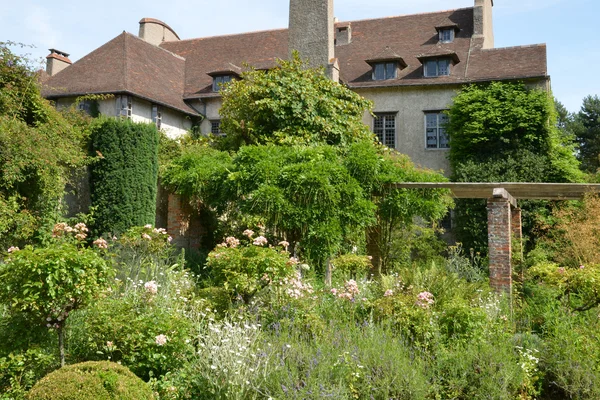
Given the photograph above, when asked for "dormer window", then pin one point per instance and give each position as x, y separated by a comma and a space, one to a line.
437, 67
220, 80
386, 65
385, 70
446, 35
438, 63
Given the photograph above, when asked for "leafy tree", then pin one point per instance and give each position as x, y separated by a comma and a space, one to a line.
40, 149
307, 169
49, 283
588, 135
505, 132
291, 104
124, 177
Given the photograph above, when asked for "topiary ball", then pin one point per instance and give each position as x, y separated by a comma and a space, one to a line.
101, 380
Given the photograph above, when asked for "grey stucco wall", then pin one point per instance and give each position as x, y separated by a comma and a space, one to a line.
410, 105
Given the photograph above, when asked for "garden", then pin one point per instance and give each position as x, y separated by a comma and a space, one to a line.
317, 279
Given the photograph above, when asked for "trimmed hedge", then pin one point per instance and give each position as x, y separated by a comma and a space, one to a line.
124, 177
91, 380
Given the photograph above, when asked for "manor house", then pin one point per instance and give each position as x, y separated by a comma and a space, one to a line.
410, 66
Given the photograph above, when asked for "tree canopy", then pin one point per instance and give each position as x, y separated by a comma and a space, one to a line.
39, 149
291, 104
305, 167
588, 133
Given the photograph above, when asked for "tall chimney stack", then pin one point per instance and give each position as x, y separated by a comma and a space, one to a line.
311, 32
56, 61
483, 26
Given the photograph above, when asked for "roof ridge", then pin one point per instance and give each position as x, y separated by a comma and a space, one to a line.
523, 46
339, 22
158, 47
407, 15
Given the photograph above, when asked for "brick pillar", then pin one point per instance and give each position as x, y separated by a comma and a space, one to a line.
517, 234
499, 244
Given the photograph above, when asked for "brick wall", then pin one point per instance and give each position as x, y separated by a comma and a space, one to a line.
183, 223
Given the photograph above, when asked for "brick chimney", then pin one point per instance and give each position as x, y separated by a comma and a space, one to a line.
483, 27
311, 32
56, 61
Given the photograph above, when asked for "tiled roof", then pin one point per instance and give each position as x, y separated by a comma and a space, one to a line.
181, 70
409, 36
125, 64
206, 55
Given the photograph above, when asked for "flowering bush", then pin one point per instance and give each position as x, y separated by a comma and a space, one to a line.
244, 270
146, 326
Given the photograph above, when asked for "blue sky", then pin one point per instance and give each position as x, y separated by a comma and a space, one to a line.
568, 27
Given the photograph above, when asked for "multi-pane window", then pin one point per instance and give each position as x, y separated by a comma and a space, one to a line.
85, 106
124, 106
435, 130
219, 81
446, 35
437, 67
384, 127
385, 70
156, 115
215, 127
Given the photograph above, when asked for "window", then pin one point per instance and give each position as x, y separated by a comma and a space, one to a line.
384, 70
215, 127
86, 106
384, 127
435, 130
446, 35
219, 81
437, 67
124, 106
156, 115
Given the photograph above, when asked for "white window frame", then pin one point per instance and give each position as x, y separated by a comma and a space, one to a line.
443, 33
157, 115
124, 106
391, 73
438, 70
386, 133
220, 80
436, 131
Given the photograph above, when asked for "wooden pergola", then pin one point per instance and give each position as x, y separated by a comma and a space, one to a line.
504, 215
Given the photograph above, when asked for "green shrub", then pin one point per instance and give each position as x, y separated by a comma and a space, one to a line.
20, 371
146, 326
124, 177
244, 270
351, 265
91, 380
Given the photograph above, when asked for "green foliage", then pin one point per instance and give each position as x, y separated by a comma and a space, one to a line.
124, 176
291, 105
245, 270
20, 371
49, 283
505, 132
40, 149
500, 119
91, 380
351, 265
588, 134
